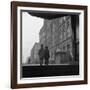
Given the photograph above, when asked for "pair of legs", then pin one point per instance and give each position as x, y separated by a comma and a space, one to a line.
46, 61
41, 61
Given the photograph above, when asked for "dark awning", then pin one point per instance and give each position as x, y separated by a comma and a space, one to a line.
46, 15
49, 14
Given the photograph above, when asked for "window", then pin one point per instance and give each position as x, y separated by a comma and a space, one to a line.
68, 46
64, 34
64, 48
68, 27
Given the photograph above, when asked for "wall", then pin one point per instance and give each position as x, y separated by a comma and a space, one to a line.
5, 45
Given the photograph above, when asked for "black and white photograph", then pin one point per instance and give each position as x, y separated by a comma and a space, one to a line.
49, 44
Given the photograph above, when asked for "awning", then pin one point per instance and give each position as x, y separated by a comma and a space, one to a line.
50, 14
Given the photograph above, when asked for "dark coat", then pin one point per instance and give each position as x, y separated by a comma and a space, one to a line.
46, 54
41, 53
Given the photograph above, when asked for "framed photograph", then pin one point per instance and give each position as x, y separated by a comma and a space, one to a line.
48, 44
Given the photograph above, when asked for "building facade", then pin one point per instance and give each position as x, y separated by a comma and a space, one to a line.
57, 34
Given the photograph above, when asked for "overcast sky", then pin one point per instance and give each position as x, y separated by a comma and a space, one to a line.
31, 26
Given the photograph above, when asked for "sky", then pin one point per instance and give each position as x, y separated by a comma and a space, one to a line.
31, 26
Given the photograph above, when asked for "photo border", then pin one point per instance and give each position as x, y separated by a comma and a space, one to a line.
14, 5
